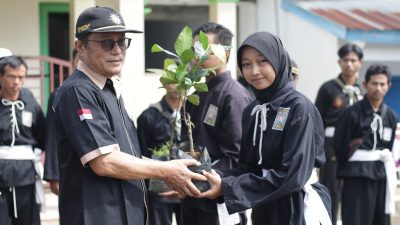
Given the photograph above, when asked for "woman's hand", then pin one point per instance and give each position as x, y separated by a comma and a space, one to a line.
216, 189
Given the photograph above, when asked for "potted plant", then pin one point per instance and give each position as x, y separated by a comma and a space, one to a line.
183, 68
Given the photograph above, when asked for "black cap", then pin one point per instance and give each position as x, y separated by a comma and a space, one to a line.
100, 20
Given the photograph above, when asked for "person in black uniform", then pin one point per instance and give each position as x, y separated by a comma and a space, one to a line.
155, 127
217, 122
363, 142
333, 97
21, 133
101, 167
51, 173
282, 144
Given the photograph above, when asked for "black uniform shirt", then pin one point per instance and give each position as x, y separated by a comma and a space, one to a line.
217, 125
154, 127
331, 101
30, 119
353, 131
292, 146
51, 172
217, 119
91, 121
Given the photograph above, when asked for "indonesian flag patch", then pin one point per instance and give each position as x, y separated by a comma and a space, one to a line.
85, 114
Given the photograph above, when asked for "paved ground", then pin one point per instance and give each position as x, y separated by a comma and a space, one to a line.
50, 217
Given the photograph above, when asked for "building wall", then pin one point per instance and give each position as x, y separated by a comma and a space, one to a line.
313, 49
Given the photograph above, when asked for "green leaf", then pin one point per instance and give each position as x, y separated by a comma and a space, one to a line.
197, 75
168, 78
180, 73
194, 99
184, 41
187, 56
156, 48
181, 88
203, 59
188, 82
219, 51
203, 38
168, 62
201, 87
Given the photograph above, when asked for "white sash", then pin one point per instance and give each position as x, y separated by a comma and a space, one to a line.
24, 152
391, 178
315, 212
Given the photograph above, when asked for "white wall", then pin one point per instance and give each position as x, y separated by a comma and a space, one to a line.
20, 26
313, 49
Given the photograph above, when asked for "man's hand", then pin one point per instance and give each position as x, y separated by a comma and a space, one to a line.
54, 185
179, 177
216, 189
172, 195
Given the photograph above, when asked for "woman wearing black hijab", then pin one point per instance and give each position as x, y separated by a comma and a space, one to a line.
282, 144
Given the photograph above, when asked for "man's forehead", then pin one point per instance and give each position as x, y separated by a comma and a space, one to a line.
21, 69
211, 38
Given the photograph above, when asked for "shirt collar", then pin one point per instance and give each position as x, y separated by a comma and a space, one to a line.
99, 79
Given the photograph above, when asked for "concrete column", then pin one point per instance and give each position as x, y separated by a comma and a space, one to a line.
134, 90
267, 16
224, 13
76, 7
247, 23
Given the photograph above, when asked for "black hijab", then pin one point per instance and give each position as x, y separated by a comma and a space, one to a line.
271, 47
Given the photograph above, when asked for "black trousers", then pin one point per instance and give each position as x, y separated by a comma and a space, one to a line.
327, 177
27, 208
363, 202
160, 213
194, 216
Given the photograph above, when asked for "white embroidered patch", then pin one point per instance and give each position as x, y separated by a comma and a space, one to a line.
280, 118
27, 118
387, 133
211, 115
115, 19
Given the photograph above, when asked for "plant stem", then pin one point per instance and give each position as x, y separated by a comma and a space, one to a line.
188, 122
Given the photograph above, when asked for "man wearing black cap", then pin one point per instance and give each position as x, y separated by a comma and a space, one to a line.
101, 170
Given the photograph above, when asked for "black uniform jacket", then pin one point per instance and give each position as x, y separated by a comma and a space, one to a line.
353, 132
217, 125
331, 101
14, 173
51, 172
154, 130
289, 155
90, 121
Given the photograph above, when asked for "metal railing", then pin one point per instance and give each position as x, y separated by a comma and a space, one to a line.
42, 68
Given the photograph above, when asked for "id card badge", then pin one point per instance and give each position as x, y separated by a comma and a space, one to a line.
211, 115
280, 119
27, 118
387, 133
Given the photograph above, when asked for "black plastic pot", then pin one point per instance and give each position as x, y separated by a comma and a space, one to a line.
183, 153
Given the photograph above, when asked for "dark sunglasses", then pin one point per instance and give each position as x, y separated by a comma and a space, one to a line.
108, 44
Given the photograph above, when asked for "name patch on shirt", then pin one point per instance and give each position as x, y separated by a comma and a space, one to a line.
387, 133
280, 118
85, 114
211, 115
27, 118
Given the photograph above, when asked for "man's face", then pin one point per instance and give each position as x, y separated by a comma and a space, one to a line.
13, 79
377, 87
350, 64
106, 63
212, 60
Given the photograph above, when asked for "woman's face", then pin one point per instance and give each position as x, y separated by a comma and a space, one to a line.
256, 69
